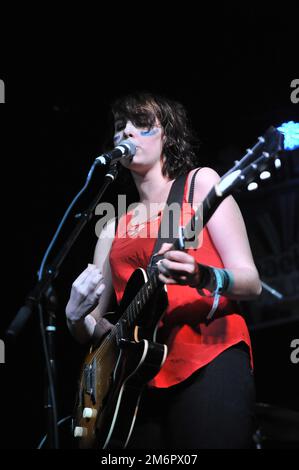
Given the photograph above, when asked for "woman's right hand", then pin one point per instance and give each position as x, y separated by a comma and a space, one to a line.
85, 294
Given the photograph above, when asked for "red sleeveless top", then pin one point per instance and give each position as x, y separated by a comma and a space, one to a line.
191, 343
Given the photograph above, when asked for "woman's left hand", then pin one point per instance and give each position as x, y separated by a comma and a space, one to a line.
177, 267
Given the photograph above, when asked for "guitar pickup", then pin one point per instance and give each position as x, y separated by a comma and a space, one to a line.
90, 380
121, 333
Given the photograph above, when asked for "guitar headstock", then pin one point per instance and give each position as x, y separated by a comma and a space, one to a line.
254, 164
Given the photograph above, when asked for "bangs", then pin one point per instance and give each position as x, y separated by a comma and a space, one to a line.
146, 110
141, 112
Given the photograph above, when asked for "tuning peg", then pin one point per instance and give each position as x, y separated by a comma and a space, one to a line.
252, 186
265, 175
277, 163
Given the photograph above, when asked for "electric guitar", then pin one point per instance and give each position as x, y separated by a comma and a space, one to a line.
115, 373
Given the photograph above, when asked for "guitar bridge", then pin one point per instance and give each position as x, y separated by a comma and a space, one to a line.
90, 380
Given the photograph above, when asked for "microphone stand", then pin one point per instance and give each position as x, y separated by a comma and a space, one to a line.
44, 290
50, 331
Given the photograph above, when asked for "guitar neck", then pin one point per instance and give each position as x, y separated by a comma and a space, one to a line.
201, 217
143, 296
191, 232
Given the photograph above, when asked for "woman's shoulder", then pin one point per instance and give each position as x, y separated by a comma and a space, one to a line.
205, 179
204, 172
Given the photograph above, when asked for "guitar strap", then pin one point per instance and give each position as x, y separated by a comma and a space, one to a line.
176, 195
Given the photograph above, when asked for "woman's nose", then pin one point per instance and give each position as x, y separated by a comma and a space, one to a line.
129, 132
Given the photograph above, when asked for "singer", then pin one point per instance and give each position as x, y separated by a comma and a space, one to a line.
203, 396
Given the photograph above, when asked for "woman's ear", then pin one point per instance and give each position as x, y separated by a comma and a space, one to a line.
163, 159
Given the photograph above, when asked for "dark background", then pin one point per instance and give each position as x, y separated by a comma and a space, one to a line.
234, 85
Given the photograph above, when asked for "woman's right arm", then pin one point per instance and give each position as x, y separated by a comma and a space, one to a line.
92, 292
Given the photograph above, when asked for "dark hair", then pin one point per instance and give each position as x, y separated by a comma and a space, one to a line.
142, 109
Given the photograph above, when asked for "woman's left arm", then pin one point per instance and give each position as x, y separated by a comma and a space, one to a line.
228, 232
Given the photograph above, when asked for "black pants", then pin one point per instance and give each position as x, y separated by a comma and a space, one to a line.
212, 409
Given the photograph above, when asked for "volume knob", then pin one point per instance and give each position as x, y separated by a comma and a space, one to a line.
89, 413
80, 432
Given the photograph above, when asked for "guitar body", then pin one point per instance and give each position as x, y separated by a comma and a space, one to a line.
114, 374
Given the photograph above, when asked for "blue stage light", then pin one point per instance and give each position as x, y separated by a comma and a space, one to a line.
290, 130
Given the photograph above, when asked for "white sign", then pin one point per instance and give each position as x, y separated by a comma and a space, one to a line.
2, 92
2, 352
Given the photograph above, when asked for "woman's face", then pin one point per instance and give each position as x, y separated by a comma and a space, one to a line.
149, 144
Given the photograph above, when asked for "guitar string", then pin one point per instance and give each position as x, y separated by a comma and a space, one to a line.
146, 288
113, 333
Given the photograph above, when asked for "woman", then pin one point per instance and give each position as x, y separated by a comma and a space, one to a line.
203, 396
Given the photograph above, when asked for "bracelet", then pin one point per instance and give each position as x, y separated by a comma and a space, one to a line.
208, 276
223, 281
205, 275
229, 280
217, 293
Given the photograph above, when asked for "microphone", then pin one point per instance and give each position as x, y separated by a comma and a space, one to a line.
125, 149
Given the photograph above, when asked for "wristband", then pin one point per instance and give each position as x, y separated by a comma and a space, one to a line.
205, 276
223, 281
